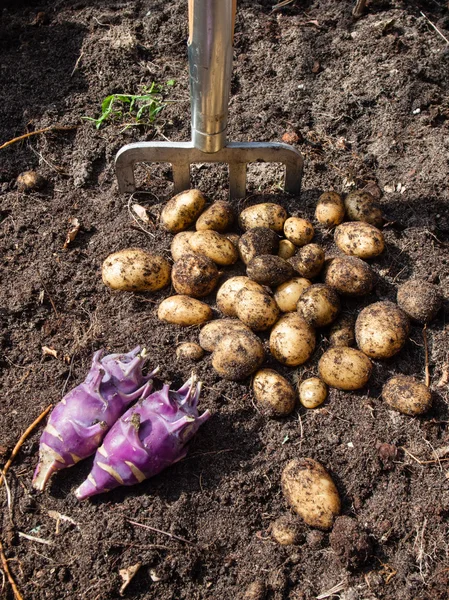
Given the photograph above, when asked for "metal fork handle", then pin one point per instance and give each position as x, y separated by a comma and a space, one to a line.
211, 31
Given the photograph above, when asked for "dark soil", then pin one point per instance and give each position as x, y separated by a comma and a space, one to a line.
367, 104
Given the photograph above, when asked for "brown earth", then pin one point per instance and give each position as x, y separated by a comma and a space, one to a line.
367, 103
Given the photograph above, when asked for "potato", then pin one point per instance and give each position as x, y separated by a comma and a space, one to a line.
312, 392
234, 238
287, 294
214, 331
361, 206
189, 351
29, 181
286, 249
298, 231
184, 311
237, 355
319, 304
135, 270
259, 240
194, 275
359, 239
267, 214
342, 331
419, 300
215, 246
257, 309
256, 590
267, 269
330, 210
274, 394
381, 329
227, 293
180, 244
218, 217
310, 491
309, 261
407, 395
349, 276
182, 211
345, 368
292, 340
285, 530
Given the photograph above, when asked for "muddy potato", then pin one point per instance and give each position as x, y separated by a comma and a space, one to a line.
259, 240
359, 239
219, 216
407, 395
345, 368
184, 311
274, 394
330, 210
420, 300
135, 270
319, 304
342, 331
349, 276
298, 231
189, 351
256, 309
310, 491
292, 340
381, 329
361, 206
312, 392
29, 181
227, 293
215, 246
256, 590
194, 275
286, 249
234, 238
309, 261
270, 270
237, 355
287, 294
214, 331
182, 211
285, 530
266, 214
180, 244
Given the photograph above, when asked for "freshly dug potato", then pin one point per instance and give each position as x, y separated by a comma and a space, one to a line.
345, 368
214, 331
180, 244
310, 491
266, 214
184, 311
255, 591
349, 276
257, 309
381, 329
182, 211
135, 270
189, 351
330, 210
420, 300
309, 261
285, 530
287, 294
342, 331
218, 217
298, 231
407, 395
194, 275
286, 249
274, 394
234, 238
237, 355
359, 239
312, 392
361, 206
270, 270
227, 293
292, 340
215, 246
29, 181
319, 304
259, 240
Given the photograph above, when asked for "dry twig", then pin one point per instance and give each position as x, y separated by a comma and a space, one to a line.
12, 583
435, 27
171, 535
44, 130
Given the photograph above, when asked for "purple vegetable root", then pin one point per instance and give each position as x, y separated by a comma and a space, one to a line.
149, 437
79, 422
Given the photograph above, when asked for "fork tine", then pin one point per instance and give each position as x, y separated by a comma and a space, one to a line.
181, 177
237, 180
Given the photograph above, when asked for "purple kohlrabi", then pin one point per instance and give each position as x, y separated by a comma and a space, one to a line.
149, 437
79, 422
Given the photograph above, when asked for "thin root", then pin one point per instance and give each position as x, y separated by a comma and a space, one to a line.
38, 131
12, 583
171, 535
426, 356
